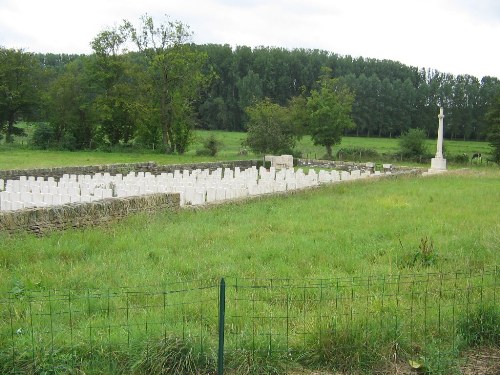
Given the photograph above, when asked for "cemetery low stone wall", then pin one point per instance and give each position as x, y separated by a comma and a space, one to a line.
113, 169
154, 168
351, 166
39, 220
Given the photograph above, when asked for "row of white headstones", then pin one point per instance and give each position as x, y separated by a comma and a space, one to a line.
195, 187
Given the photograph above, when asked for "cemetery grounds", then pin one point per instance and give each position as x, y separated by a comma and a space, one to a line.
355, 277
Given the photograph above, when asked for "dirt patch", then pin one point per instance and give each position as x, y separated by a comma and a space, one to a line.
482, 361
478, 361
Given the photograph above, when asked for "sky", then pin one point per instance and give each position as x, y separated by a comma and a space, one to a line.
451, 36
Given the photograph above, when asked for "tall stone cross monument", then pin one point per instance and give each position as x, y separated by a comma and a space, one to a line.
438, 164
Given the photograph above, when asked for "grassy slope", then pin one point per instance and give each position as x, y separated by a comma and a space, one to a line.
16, 157
362, 228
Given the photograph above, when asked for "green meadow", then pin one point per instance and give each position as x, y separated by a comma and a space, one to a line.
367, 228
21, 157
346, 278
103, 282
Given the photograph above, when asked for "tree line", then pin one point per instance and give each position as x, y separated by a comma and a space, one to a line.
150, 86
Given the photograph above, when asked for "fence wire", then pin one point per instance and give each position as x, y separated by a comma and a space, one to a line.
301, 321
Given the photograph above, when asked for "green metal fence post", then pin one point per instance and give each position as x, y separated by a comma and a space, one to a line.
222, 313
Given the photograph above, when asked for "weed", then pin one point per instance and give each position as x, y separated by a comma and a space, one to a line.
172, 355
245, 362
481, 326
347, 348
425, 256
440, 358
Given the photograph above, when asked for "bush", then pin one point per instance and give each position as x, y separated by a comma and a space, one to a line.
43, 136
211, 147
458, 159
412, 144
270, 130
68, 142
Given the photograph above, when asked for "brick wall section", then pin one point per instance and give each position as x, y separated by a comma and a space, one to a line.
39, 220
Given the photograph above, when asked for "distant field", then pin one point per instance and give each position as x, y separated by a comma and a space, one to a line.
12, 157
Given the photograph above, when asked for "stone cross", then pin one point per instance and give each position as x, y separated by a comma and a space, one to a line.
439, 151
438, 164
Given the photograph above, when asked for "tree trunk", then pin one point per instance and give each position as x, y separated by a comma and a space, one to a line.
10, 128
164, 113
329, 151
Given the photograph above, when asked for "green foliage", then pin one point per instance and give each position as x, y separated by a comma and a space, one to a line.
269, 128
128, 93
481, 326
493, 117
69, 106
425, 256
346, 348
175, 78
246, 362
43, 136
458, 159
211, 146
412, 143
330, 109
440, 358
20, 83
171, 355
274, 237
356, 153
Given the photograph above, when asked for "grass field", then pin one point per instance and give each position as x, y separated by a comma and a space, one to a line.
12, 157
402, 226
350, 229
140, 295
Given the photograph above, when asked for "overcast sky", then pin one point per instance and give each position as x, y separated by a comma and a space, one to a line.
452, 36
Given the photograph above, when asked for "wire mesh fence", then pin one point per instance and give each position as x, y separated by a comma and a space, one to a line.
351, 323
338, 323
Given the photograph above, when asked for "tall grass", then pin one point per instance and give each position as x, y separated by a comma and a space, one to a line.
342, 233
369, 228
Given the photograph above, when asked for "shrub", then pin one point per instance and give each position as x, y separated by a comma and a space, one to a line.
412, 144
211, 147
68, 142
269, 128
43, 136
459, 159
353, 153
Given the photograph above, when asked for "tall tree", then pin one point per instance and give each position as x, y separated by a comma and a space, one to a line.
68, 106
330, 107
115, 103
19, 93
493, 119
176, 77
